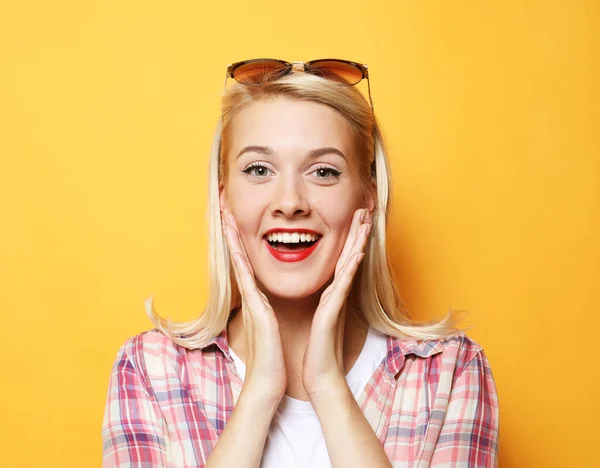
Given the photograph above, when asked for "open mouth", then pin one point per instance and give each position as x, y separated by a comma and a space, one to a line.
292, 246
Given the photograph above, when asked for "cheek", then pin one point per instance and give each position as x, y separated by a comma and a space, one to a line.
339, 228
247, 225
245, 210
338, 219
247, 217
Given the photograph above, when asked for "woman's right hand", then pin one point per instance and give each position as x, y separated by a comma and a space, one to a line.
266, 376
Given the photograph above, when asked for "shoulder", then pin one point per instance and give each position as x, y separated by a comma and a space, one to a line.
450, 353
152, 353
149, 343
157, 359
462, 349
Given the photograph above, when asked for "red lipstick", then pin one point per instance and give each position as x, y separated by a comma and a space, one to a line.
300, 230
291, 256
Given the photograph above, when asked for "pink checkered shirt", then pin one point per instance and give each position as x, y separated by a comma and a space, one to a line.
431, 403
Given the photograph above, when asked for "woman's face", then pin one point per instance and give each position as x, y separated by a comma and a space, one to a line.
277, 180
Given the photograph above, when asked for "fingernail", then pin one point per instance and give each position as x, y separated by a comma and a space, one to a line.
362, 215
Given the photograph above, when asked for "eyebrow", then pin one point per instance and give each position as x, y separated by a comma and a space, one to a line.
311, 154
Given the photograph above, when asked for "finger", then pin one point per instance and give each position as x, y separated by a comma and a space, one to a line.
341, 287
232, 253
363, 237
251, 292
238, 239
234, 240
234, 248
354, 226
358, 251
326, 294
350, 239
232, 245
360, 242
336, 298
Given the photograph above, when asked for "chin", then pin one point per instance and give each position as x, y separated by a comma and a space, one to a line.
292, 287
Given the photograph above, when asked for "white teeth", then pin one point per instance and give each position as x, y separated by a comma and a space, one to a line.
292, 237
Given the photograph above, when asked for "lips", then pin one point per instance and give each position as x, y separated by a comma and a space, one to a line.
292, 256
296, 254
299, 230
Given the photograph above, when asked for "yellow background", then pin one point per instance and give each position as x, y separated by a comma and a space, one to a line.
107, 109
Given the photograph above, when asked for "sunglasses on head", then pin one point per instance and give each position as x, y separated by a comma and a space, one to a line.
255, 72
258, 71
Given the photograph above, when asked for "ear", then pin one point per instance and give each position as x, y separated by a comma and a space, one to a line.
223, 202
370, 198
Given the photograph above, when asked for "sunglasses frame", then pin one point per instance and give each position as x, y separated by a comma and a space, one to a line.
363, 68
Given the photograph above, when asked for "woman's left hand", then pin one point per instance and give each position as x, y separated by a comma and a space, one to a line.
323, 363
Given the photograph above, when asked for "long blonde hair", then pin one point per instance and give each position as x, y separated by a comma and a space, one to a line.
374, 288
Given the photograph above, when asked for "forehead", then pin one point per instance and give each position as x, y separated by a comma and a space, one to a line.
290, 126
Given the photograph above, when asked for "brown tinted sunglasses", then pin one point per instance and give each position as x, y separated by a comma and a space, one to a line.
258, 71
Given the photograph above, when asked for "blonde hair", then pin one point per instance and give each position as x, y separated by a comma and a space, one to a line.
374, 288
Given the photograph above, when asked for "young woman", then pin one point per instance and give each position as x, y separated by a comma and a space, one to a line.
305, 355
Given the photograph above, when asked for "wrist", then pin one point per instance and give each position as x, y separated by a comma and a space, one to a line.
259, 399
329, 390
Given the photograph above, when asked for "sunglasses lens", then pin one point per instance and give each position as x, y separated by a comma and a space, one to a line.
342, 72
254, 73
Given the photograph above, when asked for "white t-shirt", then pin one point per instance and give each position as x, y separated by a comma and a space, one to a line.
295, 438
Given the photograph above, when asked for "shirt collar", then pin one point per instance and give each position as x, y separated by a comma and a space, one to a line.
221, 342
397, 349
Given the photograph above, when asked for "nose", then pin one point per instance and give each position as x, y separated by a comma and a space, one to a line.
289, 199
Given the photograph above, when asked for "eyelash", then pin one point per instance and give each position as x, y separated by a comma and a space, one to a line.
331, 170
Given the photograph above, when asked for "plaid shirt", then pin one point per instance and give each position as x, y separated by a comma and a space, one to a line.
430, 403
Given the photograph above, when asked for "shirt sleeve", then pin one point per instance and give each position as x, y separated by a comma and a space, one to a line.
469, 435
132, 434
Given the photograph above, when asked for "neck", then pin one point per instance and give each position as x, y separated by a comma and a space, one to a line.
294, 317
